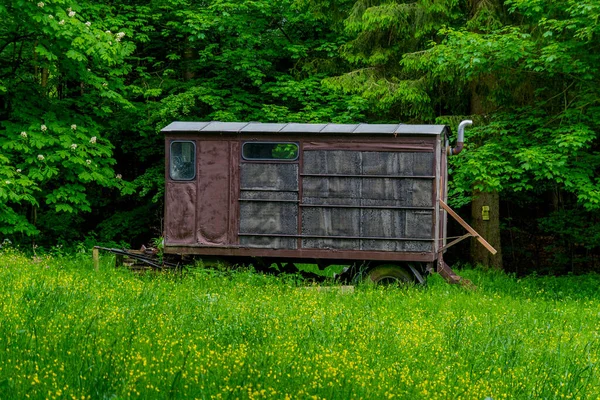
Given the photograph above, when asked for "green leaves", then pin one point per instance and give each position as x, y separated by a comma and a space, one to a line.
60, 66
522, 154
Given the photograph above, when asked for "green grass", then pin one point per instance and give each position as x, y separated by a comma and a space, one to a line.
68, 331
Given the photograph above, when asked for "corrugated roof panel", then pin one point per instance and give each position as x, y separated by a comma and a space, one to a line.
182, 126
260, 127
376, 128
303, 128
420, 129
339, 128
224, 127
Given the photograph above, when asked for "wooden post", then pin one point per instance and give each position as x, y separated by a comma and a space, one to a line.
96, 257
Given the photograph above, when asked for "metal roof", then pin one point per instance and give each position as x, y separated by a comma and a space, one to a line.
259, 127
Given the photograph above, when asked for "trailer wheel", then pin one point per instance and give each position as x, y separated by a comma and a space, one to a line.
389, 274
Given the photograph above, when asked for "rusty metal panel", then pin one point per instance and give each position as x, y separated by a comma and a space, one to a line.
269, 242
406, 144
391, 192
213, 192
333, 162
382, 223
269, 176
328, 190
180, 204
268, 204
234, 190
264, 195
397, 163
413, 246
396, 245
337, 244
419, 224
368, 162
424, 164
441, 193
422, 192
396, 192
269, 218
338, 180
322, 221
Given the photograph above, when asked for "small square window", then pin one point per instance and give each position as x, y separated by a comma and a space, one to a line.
182, 161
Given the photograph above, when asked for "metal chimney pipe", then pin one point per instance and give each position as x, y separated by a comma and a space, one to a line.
460, 140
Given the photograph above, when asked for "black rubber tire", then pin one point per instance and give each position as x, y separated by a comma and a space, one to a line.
389, 274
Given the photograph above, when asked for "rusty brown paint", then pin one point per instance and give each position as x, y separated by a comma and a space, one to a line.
180, 220
234, 191
213, 192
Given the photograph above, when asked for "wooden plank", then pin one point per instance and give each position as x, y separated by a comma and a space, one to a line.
96, 257
460, 239
468, 227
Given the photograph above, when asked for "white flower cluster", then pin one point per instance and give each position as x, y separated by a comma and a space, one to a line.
71, 13
119, 176
93, 140
62, 22
88, 162
51, 16
119, 36
18, 170
44, 128
40, 157
73, 126
40, 4
73, 146
24, 134
88, 24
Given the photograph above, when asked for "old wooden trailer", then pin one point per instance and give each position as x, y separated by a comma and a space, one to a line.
369, 196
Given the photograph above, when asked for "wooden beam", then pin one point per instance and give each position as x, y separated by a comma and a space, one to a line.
467, 227
96, 257
460, 239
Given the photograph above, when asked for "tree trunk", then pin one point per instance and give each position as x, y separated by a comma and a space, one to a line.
488, 229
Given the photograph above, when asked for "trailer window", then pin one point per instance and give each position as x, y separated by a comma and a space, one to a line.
270, 151
183, 161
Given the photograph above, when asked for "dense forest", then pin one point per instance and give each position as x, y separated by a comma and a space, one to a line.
86, 86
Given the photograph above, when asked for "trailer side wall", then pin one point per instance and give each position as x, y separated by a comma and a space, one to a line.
360, 198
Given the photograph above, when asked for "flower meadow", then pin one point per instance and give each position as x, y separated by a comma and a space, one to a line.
68, 331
